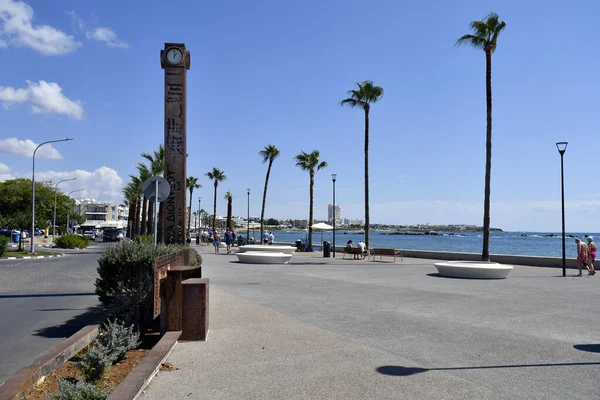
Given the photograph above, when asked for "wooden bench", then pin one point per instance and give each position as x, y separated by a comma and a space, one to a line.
386, 252
353, 251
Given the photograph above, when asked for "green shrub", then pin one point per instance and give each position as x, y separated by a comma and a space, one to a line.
96, 362
119, 339
80, 390
3, 245
72, 242
126, 278
144, 239
195, 258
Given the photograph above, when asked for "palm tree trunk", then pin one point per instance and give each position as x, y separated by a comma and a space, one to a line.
161, 223
485, 256
310, 212
144, 216
138, 206
229, 211
131, 219
190, 213
214, 209
150, 221
367, 221
264, 202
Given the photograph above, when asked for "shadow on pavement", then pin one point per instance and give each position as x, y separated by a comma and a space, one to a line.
17, 296
592, 348
398, 370
92, 315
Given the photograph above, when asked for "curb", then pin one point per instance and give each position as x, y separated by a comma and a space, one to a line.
31, 257
20, 384
133, 385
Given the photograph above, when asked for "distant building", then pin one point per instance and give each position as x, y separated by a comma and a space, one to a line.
348, 221
331, 213
101, 214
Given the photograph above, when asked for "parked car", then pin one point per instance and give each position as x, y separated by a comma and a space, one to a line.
112, 235
90, 234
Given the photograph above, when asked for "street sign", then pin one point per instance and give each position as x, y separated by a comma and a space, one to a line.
149, 188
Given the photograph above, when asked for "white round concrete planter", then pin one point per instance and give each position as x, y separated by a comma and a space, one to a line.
267, 248
473, 269
263, 257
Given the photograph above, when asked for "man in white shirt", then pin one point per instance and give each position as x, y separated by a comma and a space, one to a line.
363, 248
271, 238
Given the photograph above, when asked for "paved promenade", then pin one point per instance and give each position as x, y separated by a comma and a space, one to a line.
345, 329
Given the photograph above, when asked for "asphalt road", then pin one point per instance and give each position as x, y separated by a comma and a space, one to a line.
42, 302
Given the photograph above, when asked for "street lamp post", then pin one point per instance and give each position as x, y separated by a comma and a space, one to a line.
54, 219
562, 147
333, 177
73, 202
33, 190
199, 209
248, 229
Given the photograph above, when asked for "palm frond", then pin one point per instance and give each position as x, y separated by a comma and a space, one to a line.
269, 153
322, 165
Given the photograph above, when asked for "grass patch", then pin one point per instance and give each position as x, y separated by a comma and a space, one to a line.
26, 253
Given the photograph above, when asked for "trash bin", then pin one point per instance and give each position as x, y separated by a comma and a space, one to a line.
198, 238
326, 249
16, 237
299, 245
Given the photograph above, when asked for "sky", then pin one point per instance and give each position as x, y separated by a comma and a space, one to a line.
273, 72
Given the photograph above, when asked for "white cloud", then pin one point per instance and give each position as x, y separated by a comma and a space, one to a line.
101, 34
26, 147
5, 173
17, 29
102, 184
43, 97
106, 35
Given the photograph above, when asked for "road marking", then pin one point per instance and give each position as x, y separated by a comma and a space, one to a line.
11, 258
27, 257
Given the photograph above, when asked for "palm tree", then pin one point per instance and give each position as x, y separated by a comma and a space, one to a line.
308, 162
269, 153
130, 198
366, 94
145, 173
229, 198
191, 183
157, 166
136, 187
484, 37
217, 176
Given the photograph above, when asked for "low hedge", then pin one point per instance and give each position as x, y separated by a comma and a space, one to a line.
3, 245
72, 242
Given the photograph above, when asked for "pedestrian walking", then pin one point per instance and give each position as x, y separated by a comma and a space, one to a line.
228, 240
582, 255
216, 242
265, 238
591, 255
271, 238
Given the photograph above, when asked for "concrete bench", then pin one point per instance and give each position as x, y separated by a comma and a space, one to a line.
263, 257
267, 248
386, 252
473, 269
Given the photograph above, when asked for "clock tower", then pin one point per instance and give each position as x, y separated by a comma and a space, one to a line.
175, 60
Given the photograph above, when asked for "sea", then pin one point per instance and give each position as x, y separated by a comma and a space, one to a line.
514, 243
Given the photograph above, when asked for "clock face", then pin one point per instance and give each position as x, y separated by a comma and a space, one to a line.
174, 56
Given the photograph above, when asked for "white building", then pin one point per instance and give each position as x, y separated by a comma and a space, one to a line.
101, 214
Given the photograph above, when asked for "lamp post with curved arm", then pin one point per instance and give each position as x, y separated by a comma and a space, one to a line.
72, 191
562, 147
55, 194
33, 190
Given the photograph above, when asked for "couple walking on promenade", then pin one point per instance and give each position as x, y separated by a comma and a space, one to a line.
586, 255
